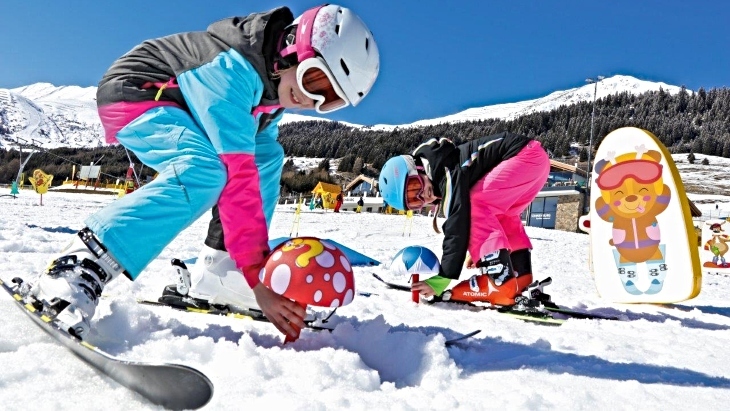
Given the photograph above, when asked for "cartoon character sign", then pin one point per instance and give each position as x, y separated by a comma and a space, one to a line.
715, 245
40, 181
643, 246
633, 194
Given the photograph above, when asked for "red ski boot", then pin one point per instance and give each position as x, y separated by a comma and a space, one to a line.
498, 284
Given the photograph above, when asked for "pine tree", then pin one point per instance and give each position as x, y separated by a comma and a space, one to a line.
357, 167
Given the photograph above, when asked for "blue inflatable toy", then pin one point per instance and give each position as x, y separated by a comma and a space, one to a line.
414, 259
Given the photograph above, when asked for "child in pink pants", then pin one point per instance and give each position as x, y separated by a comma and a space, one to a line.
482, 187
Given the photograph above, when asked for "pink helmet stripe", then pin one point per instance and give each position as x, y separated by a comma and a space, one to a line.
304, 34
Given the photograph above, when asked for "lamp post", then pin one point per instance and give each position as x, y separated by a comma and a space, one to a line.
590, 142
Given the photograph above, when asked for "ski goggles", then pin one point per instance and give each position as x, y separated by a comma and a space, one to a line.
317, 82
642, 171
414, 192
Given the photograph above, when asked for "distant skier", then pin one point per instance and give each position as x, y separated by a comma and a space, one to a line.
202, 109
482, 187
360, 203
338, 202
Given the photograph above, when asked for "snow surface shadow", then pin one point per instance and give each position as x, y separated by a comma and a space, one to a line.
541, 239
220, 333
62, 230
628, 315
124, 330
706, 309
685, 322
493, 354
398, 353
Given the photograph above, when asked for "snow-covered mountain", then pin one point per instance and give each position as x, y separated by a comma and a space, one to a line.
612, 85
66, 116
51, 116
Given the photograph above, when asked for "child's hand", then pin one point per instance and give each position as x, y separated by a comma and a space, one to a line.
282, 312
423, 288
469, 263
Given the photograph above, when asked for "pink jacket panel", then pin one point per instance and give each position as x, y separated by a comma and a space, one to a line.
117, 115
242, 215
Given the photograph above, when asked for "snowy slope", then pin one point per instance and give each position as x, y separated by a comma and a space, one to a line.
385, 352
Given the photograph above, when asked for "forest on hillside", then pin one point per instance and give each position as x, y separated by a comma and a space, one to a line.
685, 122
688, 122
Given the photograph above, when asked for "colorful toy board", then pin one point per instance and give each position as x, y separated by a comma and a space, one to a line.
643, 247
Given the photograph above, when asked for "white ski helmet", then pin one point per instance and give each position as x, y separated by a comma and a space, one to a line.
337, 37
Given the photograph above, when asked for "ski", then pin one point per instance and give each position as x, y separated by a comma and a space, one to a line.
537, 307
171, 386
532, 315
580, 314
202, 307
176, 296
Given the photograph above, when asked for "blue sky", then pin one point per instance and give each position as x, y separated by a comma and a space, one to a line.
437, 57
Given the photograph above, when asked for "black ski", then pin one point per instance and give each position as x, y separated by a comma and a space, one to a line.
172, 386
194, 305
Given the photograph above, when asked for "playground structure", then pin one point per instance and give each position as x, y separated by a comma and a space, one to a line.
87, 174
88, 178
327, 192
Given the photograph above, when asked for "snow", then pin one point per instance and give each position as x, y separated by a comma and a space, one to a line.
385, 352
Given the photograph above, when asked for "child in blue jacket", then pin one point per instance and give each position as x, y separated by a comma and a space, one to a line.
202, 109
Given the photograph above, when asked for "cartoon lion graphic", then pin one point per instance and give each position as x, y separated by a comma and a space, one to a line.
633, 194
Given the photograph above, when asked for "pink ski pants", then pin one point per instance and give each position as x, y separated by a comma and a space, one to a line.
498, 199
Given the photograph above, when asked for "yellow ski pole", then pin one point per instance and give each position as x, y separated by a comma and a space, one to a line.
409, 218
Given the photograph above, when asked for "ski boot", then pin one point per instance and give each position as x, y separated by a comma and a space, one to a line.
498, 283
213, 280
70, 288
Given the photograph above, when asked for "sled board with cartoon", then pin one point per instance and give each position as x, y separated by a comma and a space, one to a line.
643, 247
715, 246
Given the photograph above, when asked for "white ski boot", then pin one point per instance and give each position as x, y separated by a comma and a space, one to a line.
216, 279
73, 282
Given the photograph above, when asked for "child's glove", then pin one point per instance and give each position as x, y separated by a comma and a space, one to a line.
438, 284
